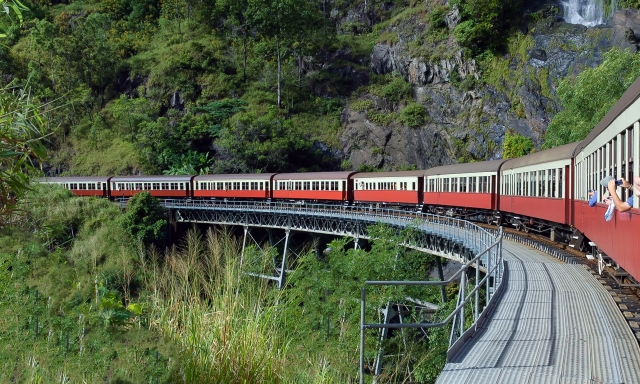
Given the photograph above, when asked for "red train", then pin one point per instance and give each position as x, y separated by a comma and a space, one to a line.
545, 192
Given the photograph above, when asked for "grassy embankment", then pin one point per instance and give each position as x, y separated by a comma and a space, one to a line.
187, 314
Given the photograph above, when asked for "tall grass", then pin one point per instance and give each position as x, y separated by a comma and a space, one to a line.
224, 323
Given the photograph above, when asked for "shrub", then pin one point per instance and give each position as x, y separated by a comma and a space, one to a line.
145, 219
413, 115
516, 145
362, 105
398, 89
436, 17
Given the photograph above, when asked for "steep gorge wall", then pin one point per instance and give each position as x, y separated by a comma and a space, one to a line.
469, 111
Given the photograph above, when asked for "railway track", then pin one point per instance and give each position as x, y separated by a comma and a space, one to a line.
626, 298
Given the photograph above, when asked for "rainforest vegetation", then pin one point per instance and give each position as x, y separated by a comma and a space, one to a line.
115, 87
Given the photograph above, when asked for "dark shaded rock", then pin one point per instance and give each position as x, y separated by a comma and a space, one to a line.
127, 85
538, 54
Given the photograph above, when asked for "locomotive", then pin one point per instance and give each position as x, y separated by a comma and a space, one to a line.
545, 192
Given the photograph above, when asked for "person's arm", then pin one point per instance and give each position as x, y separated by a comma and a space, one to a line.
593, 199
621, 206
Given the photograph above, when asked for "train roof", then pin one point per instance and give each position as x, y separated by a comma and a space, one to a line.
160, 178
74, 179
627, 99
562, 152
371, 175
251, 176
454, 169
314, 175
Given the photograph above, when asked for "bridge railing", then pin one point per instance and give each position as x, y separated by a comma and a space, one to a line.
472, 235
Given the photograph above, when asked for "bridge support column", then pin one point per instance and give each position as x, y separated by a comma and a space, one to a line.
283, 266
355, 243
443, 289
244, 244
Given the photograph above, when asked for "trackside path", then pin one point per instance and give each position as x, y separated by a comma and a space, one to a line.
554, 323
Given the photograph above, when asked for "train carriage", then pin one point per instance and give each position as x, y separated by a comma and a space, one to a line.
611, 149
535, 190
471, 188
81, 186
388, 187
317, 186
251, 186
158, 186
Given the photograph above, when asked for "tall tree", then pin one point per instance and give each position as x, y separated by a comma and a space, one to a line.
282, 21
240, 23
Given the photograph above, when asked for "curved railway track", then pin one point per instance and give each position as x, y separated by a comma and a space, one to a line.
626, 297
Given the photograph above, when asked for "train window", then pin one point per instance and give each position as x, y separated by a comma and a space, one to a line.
244, 185
173, 186
147, 186
164, 186
560, 183
73, 186
334, 185
236, 185
219, 185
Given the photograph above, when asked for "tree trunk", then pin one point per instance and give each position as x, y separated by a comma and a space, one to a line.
299, 70
53, 77
278, 48
178, 14
101, 88
244, 57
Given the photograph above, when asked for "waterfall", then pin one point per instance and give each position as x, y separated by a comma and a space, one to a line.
588, 12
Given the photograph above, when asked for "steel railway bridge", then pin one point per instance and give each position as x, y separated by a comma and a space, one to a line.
545, 321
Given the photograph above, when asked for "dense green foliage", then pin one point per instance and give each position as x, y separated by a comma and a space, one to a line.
328, 290
485, 23
413, 115
21, 134
586, 98
90, 324
163, 86
516, 145
145, 219
194, 304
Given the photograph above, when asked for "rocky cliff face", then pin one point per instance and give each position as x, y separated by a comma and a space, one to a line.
469, 111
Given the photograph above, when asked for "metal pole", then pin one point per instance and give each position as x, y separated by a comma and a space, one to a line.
443, 290
281, 278
244, 244
462, 297
489, 274
362, 306
475, 318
